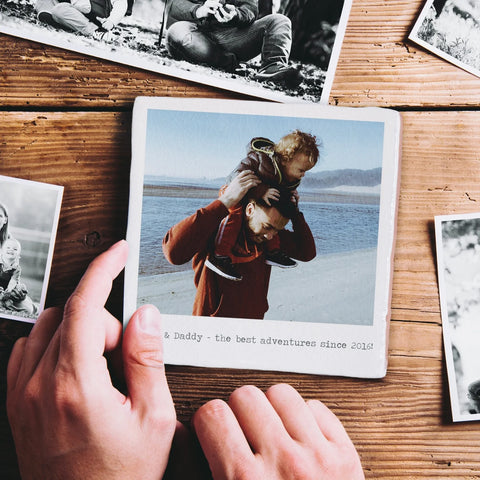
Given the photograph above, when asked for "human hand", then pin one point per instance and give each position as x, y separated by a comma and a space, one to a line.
295, 198
271, 194
18, 293
225, 13
276, 435
67, 419
210, 7
107, 24
238, 187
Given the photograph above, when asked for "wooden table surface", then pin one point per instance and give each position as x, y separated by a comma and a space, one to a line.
65, 119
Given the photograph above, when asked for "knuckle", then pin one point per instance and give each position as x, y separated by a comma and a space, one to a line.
296, 466
244, 470
64, 397
151, 355
75, 303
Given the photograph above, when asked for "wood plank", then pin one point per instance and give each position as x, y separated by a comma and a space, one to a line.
377, 66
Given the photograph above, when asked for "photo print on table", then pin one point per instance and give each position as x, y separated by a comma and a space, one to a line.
329, 314
282, 50
451, 30
29, 214
458, 259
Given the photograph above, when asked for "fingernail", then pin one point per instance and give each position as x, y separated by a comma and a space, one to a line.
149, 321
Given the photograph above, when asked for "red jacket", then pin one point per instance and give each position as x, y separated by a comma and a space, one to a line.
193, 238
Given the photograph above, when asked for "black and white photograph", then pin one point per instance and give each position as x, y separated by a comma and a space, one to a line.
258, 216
282, 50
29, 214
451, 30
458, 258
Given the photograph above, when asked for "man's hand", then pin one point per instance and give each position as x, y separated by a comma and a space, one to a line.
271, 194
210, 7
67, 419
276, 435
106, 23
225, 13
238, 187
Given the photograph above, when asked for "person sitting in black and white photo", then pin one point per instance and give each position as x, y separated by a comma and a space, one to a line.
223, 33
92, 18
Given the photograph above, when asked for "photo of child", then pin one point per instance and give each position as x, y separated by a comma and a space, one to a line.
28, 222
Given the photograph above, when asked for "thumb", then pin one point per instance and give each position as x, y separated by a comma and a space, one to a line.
143, 363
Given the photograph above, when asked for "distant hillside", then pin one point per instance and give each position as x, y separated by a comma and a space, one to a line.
312, 181
346, 177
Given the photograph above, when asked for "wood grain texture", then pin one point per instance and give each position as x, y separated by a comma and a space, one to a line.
65, 119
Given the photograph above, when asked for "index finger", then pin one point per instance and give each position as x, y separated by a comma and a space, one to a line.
96, 283
85, 323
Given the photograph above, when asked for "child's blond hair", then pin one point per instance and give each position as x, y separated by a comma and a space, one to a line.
297, 142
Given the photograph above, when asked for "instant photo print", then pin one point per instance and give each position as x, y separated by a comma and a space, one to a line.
451, 30
458, 260
327, 315
29, 214
289, 53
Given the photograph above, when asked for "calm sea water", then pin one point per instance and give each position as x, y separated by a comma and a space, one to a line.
335, 227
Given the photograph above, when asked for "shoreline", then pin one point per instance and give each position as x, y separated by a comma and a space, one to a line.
333, 288
320, 196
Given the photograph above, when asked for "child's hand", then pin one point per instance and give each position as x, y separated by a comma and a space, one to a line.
295, 198
271, 194
18, 293
276, 435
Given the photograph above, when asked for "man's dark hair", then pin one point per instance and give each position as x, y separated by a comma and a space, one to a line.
284, 205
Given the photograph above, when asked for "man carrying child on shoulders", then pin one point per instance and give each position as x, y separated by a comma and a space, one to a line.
194, 238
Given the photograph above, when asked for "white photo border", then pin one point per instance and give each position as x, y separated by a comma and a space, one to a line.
361, 350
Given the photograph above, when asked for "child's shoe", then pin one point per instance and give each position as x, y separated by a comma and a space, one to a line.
279, 259
223, 266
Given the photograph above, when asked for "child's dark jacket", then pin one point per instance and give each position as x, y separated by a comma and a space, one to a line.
262, 161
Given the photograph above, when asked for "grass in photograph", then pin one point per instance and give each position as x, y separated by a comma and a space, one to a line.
454, 35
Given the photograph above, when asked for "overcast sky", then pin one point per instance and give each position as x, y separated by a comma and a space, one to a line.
200, 144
